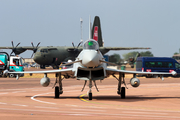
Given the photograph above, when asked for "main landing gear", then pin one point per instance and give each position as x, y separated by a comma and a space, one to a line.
58, 89
121, 90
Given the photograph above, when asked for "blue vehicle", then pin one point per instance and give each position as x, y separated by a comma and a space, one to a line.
157, 64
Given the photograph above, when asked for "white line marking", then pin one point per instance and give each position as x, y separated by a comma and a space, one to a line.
84, 106
145, 113
80, 114
25, 89
39, 90
3, 93
33, 98
18, 91
107, 114
46, 107
89, 110
20, 105
148, 110
3, 103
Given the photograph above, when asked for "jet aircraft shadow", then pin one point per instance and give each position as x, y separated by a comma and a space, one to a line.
61, 97
128, 98
110, 98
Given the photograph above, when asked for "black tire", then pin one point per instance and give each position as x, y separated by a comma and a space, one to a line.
149, 76
90, 96
123, 92
56, 92
5, 76
11, 75
42, 66
55, 67
155, 76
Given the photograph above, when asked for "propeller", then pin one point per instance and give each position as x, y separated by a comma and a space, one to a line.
76, 48
14, 48
34, 48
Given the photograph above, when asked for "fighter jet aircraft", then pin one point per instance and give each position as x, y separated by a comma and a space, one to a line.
90, 66
54, 55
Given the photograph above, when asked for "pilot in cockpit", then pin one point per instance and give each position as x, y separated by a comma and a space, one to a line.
91, 44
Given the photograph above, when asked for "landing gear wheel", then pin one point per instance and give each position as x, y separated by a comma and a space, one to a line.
123, 91
90, 96
56, 92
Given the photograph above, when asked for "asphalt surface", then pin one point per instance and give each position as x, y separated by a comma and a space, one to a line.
27, 99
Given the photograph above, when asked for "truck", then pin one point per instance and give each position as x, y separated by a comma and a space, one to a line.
10, 63
157, 64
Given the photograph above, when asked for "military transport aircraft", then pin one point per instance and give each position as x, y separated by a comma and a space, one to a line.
54, 55
90, 66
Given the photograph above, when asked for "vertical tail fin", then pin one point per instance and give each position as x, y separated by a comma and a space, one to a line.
96, 31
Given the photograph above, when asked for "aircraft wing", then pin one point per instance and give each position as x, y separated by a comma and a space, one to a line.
19, 50
124, 48
23, 47
110, 71
69, 71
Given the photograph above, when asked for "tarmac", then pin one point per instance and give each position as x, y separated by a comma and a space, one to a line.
26, 99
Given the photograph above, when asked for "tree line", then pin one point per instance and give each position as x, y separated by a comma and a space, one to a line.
116, 58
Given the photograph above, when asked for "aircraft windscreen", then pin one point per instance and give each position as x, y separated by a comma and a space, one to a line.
91, 44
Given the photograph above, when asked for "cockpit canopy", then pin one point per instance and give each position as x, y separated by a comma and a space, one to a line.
91, 44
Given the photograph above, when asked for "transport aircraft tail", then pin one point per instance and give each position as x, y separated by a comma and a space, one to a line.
96, 31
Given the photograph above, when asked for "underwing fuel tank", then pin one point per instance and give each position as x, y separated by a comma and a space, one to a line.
135, 82
90, 59
45, 81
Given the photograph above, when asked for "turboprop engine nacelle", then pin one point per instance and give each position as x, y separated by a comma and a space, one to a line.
45, 81
135, 82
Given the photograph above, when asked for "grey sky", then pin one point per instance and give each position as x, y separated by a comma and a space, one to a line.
124, 23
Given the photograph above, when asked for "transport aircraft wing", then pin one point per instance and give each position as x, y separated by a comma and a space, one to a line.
123, 48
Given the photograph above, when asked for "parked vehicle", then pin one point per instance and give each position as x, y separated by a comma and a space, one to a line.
157, 64
11, 63
25, 65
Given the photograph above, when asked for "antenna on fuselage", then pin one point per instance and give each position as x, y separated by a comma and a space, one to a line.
81, 21
90, 26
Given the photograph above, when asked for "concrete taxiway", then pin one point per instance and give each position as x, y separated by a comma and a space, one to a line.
27, 99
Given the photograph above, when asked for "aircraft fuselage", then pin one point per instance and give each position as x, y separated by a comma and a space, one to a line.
57, 55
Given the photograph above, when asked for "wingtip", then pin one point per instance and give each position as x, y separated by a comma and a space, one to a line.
174, 73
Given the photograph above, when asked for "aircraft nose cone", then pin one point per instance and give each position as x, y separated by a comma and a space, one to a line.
36, 59
90, 59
